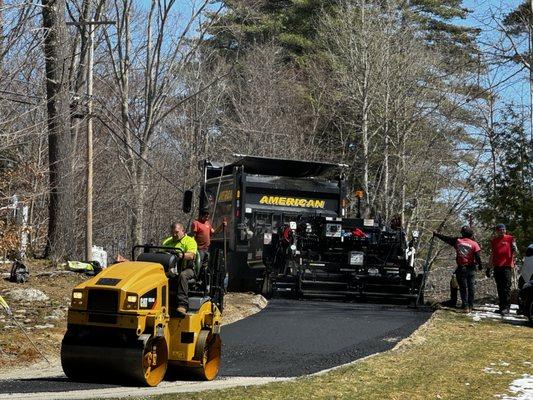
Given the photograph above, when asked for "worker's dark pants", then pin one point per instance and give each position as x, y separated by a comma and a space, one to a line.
502, 276
466, 276
183, 286
454, 289
204, 257
453, 293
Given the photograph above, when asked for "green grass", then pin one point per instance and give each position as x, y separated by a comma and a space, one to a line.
445, 359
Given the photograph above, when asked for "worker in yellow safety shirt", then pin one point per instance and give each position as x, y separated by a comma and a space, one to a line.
180, 240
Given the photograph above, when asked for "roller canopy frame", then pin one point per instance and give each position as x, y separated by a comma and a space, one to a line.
154, 247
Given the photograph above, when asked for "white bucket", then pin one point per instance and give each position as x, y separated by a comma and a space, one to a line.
100, 255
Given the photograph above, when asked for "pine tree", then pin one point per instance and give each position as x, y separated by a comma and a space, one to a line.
437, 20
293, 24
508, 196
290, 24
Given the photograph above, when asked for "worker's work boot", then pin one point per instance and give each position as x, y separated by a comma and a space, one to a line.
449, 303
182, 311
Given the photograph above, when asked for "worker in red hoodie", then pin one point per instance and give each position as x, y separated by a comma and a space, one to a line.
502, 260
467, 257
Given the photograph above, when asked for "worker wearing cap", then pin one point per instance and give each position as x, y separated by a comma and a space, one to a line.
503, 250
467, 257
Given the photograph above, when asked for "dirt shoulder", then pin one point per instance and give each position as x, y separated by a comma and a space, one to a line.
40, 305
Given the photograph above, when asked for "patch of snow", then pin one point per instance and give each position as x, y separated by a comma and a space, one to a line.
259, 301
56, 314
522, 388
489, 311
391, 339
489, 370
45, 326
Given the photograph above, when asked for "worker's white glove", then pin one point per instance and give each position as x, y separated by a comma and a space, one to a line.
173, 272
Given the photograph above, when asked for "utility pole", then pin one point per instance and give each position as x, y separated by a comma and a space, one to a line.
530, 21
89, 220
1, 34
89, 170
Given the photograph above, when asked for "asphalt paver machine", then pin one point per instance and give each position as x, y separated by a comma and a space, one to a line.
342, 257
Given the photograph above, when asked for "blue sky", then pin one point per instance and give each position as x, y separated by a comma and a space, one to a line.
484, 13
510, 88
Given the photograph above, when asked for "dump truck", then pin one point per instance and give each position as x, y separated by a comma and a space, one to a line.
258, 195
288, 231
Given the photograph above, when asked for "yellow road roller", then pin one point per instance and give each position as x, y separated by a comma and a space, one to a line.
122, 323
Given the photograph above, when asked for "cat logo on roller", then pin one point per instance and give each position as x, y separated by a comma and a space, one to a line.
292, 202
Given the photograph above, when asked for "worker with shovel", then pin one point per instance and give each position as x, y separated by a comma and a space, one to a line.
467, 257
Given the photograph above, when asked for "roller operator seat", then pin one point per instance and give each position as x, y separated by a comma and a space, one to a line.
169, 262
197, 284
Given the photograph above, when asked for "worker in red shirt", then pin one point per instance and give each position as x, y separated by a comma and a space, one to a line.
467, 257
202, 230
503, 250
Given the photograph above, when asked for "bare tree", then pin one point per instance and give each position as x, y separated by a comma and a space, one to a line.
146, 80
61, 211
393, 120
264, 109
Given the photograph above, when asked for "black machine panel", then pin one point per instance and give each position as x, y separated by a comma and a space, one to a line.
102, 300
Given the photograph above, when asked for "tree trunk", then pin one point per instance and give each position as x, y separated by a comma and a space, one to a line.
1, 34
138, 204
403, 169
364, 119
530, 70
492, 143
61, 237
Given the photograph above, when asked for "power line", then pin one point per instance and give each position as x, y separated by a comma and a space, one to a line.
110, 129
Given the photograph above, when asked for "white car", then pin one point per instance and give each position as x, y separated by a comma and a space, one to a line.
526, 272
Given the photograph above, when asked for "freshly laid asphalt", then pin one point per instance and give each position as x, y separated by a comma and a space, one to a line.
293, 338
288, 338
